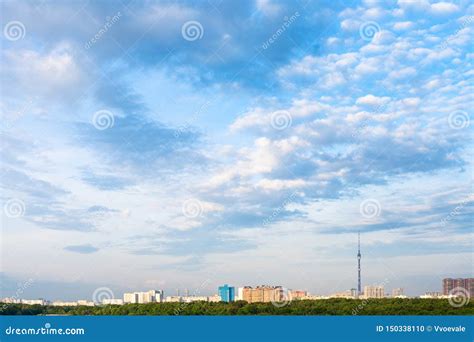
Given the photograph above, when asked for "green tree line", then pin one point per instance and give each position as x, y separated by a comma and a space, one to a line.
297, 307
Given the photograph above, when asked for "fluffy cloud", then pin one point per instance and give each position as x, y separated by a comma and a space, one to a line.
324, 124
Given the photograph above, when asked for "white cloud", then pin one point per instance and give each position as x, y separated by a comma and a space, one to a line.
444, 8
255, 117
280, 184
55, 74
403, 25
371, 100
350, 24
268, 7
402, 73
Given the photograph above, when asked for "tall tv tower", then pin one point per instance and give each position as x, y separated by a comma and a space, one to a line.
359, 289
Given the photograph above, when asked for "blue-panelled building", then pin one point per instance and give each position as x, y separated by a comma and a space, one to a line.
227, 293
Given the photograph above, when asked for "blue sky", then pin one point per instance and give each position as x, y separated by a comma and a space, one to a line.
167, 144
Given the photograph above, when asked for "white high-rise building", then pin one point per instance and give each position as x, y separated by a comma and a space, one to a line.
151, 296
240, 294
374, 292
130, 297
157, 295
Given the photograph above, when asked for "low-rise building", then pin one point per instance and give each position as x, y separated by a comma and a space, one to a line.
214, 298
429, 295
85, 302
189, 299
62, 303
344, 294
173, 299
33, 301
112, 301
314, 297
11, 300
297, 294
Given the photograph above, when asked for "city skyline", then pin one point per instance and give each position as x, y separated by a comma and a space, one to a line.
279, 295
192, 144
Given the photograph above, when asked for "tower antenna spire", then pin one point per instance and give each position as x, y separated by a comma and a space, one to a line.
359, 287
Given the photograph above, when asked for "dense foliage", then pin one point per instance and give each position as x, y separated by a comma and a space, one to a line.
303, 307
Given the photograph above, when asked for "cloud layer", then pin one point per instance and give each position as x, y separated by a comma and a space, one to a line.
178, 139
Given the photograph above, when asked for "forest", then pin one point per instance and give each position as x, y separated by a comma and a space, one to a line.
336, 306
